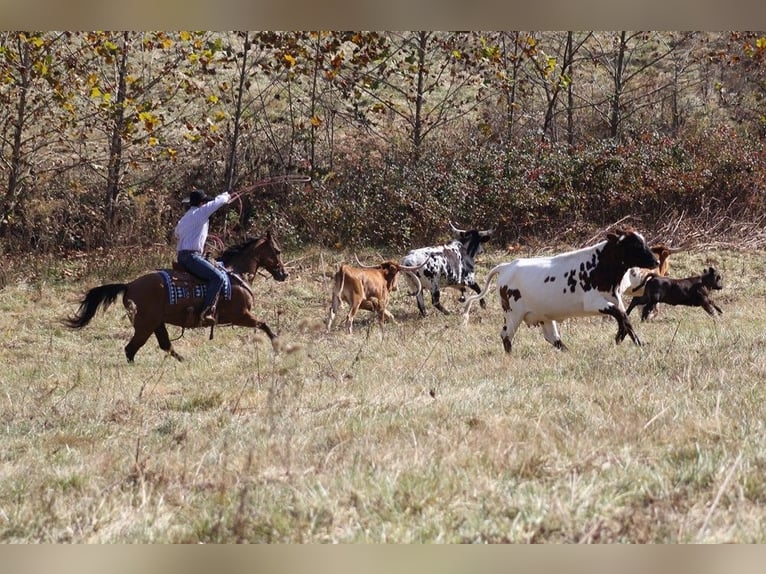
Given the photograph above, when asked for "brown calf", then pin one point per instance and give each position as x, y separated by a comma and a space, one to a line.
692, 291
366, 288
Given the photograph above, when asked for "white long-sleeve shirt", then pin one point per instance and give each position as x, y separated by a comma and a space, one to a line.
191, 229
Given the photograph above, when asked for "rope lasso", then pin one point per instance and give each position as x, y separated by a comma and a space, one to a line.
289, 179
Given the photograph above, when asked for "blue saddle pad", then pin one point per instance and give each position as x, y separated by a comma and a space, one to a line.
187, 286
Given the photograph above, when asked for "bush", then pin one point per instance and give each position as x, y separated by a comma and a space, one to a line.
379, 196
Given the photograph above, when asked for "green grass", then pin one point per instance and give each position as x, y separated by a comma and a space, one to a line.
425, 431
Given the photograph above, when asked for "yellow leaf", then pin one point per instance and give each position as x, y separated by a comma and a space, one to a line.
153, 141
212, 98
289, 59
316, 122
185, 36
760, 43
95, 92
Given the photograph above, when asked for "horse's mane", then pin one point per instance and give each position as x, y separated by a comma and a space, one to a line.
239, 249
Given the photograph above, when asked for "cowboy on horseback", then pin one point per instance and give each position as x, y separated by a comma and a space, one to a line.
191, 232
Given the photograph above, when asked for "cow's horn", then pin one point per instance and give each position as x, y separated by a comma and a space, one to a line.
413, 267
416, 278
455, 229
362, 264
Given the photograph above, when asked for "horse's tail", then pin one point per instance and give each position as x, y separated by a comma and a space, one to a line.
102, 296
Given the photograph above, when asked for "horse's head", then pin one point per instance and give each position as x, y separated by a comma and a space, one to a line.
270, 257
248, 257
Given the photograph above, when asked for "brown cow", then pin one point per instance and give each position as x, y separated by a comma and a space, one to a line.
366, 288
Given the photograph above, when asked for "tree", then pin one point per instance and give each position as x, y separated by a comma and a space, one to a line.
553, 72
34, 89
630, 61
141, 95
425, 80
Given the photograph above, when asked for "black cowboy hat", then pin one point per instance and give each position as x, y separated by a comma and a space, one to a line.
197, 197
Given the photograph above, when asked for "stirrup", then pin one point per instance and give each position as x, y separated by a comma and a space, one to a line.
208, 317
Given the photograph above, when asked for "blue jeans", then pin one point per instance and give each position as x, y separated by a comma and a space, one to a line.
203, 269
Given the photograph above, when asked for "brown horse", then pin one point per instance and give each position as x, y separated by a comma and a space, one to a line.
174, 297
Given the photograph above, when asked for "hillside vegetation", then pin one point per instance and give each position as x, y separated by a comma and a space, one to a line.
538, 134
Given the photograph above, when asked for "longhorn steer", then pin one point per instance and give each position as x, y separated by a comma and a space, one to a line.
448, 265
544, 290
691, 291
365, 288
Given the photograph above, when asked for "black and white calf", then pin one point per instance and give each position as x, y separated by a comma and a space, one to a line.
544, 290
448, 265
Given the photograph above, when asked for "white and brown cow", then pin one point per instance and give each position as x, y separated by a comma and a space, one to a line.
584, 282
447, 265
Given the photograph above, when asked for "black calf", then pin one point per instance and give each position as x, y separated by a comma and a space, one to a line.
692, 291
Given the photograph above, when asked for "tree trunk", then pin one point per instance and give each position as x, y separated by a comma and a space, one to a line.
615, 115
231, 167
115, 143
11, 192
569, 57
417, 131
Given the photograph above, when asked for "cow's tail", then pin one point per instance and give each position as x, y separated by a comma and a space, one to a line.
335, 295
337, 289
102, 296
470, 300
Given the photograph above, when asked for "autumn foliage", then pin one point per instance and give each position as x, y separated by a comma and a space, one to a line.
539, 135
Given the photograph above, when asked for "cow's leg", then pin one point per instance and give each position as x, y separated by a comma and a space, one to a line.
551, 334
635, 302
511, 322
380, 308
355, 303
710, 307
624, 326
435, 299
648, 311
163, 339
387, 314
421, 303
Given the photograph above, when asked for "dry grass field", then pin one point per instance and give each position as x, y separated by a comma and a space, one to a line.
424, 431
